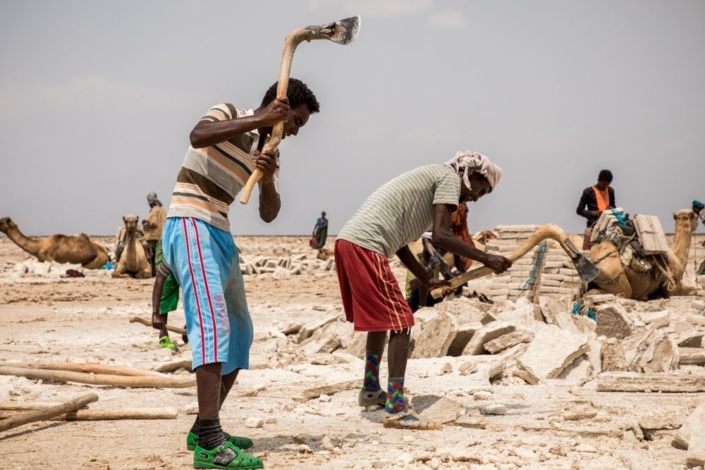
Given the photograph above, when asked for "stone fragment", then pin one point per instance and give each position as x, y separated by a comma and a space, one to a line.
327, 444
315, 392
254, 423
485, 334
483, 395
613, 322
290, 328
692, 356
600, 298
467, 368
551, 351
507, 341
696, 447
695, 319
439, 409
578, 414
494, 409
690, 339
585, 448
325, 345
684, 434
489, 318
434, 334
308, 329
660, 382
190, 409
472, 420
463, 336
580, 370
447, 368
655, 317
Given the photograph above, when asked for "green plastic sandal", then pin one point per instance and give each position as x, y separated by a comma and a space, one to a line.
216, 458
165, 342
238, 441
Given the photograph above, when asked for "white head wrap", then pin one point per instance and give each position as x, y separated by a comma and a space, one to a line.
466, 163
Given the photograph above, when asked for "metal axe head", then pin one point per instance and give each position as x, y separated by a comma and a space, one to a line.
341, 32
586, 270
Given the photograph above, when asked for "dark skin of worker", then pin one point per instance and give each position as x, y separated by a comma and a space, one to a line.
444, 238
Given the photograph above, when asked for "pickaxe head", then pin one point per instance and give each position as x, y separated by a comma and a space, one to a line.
341, 32
586, 270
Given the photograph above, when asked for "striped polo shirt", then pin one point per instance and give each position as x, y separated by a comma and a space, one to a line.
402, 210
211, 177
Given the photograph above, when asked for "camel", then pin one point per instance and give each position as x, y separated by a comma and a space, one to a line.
133, 261
76, 249
640, 284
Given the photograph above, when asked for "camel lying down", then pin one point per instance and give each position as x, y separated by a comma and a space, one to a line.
75, 249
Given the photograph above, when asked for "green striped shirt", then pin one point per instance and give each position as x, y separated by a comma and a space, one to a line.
402, 210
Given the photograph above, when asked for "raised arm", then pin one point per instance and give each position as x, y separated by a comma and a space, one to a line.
269, 199
215, 131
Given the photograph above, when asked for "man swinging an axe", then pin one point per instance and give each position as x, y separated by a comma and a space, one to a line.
228, 146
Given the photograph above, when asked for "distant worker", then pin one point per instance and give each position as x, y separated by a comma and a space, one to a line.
594, 201
154, 226
320, 231
698, 209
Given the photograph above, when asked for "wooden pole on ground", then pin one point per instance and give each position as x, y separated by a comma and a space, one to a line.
145, 322
83, 368
101, 379
40, 415
106, 415
174, 365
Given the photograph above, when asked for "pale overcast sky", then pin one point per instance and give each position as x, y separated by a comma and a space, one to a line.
97, 100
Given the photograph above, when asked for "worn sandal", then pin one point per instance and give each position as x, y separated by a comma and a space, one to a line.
408, 420
238, 441
165, 342
225, 456
372, 398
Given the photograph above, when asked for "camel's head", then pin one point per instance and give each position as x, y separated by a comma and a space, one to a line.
485, 236
131, 222
686, 219
6, 224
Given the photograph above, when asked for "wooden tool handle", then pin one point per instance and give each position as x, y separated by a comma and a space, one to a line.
32, 416
548, 231
290, 43
145, 322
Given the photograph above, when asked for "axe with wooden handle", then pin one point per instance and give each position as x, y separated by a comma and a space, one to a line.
340, 32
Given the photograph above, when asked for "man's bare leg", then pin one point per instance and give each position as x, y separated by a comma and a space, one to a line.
396, 412
371, 393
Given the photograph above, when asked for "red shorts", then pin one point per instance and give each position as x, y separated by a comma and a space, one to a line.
371, 296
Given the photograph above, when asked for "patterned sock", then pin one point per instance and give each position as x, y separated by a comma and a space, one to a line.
196, 428
372, 370
395, 396
211, 434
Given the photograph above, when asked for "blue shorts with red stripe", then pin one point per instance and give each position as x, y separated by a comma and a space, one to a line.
205, 262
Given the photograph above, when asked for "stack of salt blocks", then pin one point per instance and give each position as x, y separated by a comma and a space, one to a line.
556, 276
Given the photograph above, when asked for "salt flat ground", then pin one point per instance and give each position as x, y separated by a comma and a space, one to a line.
49, 319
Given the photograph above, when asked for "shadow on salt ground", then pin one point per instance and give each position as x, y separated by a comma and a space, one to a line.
291, 444
21, 433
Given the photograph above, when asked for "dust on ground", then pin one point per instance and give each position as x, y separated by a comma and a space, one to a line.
48, 318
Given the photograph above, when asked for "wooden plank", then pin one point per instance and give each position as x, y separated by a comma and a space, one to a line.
659, 382
651, 235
